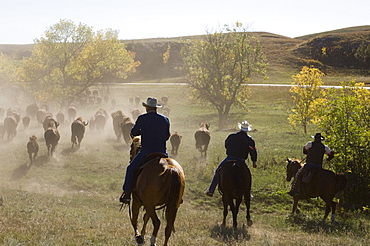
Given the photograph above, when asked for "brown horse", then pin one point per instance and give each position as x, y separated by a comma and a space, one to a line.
324, 183
234, 183
161, 182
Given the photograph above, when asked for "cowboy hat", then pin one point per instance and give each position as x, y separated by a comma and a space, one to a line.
318, 136
152, 103
245, 126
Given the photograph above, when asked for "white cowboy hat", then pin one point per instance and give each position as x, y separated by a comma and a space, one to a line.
245, 126
152, 103
318, 136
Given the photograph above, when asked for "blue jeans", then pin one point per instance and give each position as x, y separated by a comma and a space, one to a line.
214, 182
131, 171
310, 166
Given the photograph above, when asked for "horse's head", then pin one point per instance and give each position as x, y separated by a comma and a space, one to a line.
292, 167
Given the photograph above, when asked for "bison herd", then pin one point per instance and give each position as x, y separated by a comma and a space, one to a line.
122, 124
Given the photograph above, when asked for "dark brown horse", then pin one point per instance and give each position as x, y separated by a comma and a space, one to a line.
234, 184
161, 182
324, 183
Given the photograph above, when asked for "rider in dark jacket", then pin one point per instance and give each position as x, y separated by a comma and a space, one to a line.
238, 145
315, 152
154, 129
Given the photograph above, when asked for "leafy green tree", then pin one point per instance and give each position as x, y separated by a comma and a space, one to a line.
70, 58
306, 94
220, 65
363, 55
345, 119
9, 89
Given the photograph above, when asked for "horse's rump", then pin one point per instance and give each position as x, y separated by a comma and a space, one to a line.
160, 182
324, 183
234, 179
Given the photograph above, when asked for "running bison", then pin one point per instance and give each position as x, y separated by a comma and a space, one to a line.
52, 137
175, 141
78, 131
202, 138
10, 126
32, 148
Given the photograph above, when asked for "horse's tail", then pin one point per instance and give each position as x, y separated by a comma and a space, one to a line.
341, 182
174, 197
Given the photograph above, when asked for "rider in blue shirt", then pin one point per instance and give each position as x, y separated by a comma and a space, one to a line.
154, 130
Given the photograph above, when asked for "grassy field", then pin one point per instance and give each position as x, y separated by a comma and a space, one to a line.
72, 198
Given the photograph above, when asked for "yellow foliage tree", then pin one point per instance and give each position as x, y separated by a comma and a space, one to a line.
307, 95
70, 58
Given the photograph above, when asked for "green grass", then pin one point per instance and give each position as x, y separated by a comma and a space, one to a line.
72, 198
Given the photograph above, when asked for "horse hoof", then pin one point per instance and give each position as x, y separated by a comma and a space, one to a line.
139, 240
249, 223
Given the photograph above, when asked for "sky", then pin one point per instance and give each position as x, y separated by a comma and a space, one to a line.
22, 21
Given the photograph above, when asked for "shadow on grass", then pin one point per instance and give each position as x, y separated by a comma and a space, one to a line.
69, 151
22, 170
229, 234
315, 224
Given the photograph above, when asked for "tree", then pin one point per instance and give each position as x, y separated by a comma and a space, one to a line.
71, 58
9, 89
306, 95
220, 65
345, 119
363, 55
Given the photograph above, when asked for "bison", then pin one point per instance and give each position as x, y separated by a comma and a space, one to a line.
71, 112
202, 138
78, 131
46, 123
119, 118
10, 126
32, 148
31, 110
126, 127
40, 115
26, 121
60, 118
52, 137
100, 118
175, 141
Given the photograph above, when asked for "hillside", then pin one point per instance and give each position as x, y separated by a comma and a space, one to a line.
285, 55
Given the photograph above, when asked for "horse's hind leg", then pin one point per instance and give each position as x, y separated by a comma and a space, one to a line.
226, 211
247, 200
330, 206
156, 224
235, 211
145, 219
135, 214
170, 223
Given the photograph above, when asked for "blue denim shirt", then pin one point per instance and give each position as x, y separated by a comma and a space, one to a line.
154, 129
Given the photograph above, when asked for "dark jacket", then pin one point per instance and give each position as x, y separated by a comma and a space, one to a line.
154, 129
240, 144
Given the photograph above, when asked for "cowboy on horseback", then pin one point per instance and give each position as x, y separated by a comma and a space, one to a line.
315, 151
154, 129
238, 145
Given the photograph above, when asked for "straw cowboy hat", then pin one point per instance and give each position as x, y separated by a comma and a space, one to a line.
152, 103
245, 126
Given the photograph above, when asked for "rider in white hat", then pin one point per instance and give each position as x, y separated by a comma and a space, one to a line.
238, 146
154, 129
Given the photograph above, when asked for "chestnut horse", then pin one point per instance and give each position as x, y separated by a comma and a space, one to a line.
160, 182
234, 183
324, 183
